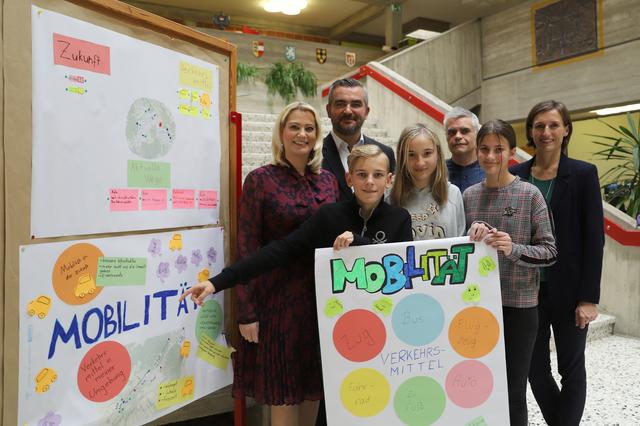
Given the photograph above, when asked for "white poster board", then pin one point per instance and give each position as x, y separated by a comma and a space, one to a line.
126, 134
411, 333
103, 338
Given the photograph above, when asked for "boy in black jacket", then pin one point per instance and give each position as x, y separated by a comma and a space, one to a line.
366, 218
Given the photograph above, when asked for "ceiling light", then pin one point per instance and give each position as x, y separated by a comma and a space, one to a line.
617, 110
288, 7
272, 6
290, 10
423, 34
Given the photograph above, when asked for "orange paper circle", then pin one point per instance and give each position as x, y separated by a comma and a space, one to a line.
474, 332
74, 274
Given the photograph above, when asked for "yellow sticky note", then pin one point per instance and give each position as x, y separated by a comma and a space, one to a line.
188, 110
174, 392
168, 394
333, 307
195, 76
183, 93
383, 305
76, 90
214, 353
206, 113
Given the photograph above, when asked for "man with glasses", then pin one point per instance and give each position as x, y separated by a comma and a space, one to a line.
348, 108
462, 127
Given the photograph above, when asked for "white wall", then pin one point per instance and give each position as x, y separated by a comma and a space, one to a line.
448, 66
393, 113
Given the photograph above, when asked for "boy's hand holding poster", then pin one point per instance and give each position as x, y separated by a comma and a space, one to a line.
411, 333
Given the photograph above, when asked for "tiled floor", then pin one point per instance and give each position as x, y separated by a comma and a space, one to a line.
613, 377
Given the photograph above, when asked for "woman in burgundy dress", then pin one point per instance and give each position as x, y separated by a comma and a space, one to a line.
278, 359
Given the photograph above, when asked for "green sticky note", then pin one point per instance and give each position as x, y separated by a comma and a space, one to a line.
383, 305
214, 353
333, 307
487, 264
471, 294
114, 271
478, 421
148, 174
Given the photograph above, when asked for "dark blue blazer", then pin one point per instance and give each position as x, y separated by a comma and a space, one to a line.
576, 205
331, 162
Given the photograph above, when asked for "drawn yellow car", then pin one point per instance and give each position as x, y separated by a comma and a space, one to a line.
185, 349
203, 275
85, 285
205, 100
39, 306
44, 379
187, 387
176, 242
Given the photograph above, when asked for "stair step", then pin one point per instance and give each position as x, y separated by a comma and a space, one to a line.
257, 131
264, 136
271, 118
256, 147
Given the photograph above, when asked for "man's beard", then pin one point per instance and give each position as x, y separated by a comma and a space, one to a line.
347, 130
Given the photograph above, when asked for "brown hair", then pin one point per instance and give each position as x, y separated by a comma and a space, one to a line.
498, 128
545, 106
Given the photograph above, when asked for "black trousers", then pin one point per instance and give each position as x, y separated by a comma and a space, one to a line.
562, 407
520, 328
321, 420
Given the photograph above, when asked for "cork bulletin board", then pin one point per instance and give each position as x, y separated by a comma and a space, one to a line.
148, 183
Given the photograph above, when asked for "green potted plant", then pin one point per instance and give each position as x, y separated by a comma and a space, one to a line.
286, 79
625, 147
246, 72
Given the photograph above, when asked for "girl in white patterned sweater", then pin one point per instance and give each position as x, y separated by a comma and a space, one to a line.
421, 186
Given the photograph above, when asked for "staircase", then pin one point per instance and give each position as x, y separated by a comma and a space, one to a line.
256, 138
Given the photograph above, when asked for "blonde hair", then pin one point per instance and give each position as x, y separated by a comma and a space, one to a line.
277, 148
364, 152
403, 182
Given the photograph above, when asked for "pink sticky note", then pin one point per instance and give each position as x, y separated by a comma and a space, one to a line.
208, 199
81, 54
122, 200
154, 199
183, 198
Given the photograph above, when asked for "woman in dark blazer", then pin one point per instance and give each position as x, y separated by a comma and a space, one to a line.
570, 289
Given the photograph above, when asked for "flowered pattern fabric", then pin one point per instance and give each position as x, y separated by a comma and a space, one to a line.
284, 367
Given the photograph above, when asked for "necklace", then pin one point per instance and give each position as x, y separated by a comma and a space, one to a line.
541, 183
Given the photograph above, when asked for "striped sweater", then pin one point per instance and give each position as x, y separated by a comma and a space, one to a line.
518, 209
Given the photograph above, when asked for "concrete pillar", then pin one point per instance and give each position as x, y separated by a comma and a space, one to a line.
393, 25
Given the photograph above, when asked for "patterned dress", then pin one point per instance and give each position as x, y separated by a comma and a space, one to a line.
284, 367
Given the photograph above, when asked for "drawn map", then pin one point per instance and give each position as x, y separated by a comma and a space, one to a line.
126, 134
103, 337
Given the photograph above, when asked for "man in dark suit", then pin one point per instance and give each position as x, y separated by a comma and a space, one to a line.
347, 108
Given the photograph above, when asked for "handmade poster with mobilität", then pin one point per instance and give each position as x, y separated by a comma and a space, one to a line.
103, 337
411, 333
126, 134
